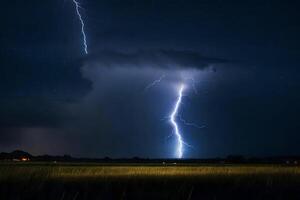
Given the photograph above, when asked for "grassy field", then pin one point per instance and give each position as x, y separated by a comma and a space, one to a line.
95, 181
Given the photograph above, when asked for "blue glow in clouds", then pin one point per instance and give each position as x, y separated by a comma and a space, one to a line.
77, 5
180, 142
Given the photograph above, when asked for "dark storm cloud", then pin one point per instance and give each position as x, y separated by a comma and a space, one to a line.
31, 111
160, 59
32, 139
39, 76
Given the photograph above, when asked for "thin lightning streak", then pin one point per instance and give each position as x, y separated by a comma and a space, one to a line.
189, 123
169, 136
77, 5
173, 116
154, 82
193, 85
188, 145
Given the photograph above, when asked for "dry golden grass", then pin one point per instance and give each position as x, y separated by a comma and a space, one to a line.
148, 181
23, 171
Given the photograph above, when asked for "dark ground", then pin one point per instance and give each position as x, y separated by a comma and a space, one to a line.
81, 181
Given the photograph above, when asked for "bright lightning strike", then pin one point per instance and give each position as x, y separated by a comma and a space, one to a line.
173, 116
77, 5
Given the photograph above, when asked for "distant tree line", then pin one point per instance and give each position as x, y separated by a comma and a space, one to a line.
19, 155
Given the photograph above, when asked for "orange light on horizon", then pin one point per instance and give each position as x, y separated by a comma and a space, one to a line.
24, 159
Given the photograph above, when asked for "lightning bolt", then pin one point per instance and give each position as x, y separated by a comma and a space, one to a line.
77, 6
154, 83
173, 117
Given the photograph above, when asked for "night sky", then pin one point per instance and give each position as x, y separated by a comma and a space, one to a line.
239, 61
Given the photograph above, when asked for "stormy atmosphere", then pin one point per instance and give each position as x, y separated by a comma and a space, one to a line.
151, 78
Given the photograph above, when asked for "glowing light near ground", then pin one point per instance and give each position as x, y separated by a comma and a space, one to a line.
77, 6
173, 116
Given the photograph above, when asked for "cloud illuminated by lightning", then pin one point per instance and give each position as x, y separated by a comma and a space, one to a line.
173, 116
77, 6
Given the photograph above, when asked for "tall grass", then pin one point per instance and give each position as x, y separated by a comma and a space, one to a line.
45, 171
132, 181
